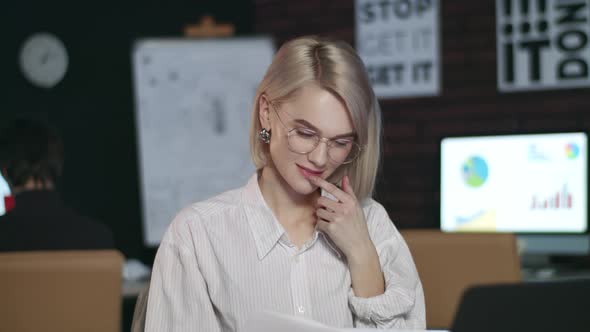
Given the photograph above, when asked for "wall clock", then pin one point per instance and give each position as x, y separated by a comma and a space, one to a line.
43, 59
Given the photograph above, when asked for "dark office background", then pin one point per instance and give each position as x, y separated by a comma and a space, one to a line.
93, 106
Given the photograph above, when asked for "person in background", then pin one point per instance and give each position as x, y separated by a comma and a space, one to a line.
31, 161
303, 236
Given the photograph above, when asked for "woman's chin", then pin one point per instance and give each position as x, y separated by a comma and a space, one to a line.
303, 186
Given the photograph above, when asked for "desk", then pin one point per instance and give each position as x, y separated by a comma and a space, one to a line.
553, 274
132, 288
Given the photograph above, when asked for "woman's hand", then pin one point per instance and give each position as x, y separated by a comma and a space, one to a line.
345, 224
343, 220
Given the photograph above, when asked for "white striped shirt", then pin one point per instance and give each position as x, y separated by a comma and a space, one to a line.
227, 257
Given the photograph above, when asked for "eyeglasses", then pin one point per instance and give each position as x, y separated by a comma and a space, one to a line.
303, 140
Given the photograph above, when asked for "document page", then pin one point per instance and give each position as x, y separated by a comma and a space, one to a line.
272, 321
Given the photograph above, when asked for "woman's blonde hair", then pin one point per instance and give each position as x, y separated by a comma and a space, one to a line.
335, 67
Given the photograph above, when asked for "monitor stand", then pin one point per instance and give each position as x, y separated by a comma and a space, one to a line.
554, 244
551, 257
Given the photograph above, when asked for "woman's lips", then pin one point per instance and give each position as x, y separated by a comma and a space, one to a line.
308, 172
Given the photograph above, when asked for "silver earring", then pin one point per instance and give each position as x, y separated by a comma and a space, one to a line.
264, 135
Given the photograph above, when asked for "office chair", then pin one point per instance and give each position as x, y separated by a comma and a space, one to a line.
61, 291
449, 263
547, 306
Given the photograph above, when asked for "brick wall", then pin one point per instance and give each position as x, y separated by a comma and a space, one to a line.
469, 102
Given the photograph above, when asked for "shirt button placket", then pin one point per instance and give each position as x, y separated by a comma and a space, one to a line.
298, 285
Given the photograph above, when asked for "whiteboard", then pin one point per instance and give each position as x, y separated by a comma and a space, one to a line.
193, 104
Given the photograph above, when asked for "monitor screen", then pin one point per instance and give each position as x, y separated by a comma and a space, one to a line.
528, 183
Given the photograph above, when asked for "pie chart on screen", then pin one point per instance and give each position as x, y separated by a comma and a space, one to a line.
475, 171
572, 150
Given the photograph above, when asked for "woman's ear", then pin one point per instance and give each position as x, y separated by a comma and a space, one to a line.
264, 111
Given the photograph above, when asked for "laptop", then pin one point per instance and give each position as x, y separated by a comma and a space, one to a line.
536, 307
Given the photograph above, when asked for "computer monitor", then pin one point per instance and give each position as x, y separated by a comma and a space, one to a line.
535, 185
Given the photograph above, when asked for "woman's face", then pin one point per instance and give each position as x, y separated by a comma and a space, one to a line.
313, 111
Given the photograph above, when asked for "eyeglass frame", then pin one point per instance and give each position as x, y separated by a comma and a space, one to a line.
328, 141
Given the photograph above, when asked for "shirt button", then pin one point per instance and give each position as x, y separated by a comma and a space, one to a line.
296, 259
301, 309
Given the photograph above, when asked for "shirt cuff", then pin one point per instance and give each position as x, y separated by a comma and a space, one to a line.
396, 302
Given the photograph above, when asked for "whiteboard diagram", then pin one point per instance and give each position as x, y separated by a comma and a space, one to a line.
193, 103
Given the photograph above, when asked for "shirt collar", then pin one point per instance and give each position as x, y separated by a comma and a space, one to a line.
266, 229
327, 239
331, 244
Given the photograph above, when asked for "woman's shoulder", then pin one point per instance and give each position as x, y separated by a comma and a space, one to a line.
381, 227
371, 206
193, 217
220, 203
376, 214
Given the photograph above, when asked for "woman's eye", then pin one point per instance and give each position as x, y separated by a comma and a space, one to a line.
305, 132
342, 142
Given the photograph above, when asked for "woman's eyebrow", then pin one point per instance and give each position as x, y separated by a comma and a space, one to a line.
307, 124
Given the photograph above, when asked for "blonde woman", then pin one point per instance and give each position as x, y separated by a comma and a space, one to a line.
303, 236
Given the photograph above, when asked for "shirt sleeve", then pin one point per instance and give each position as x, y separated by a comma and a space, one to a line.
402, 304
178, 298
